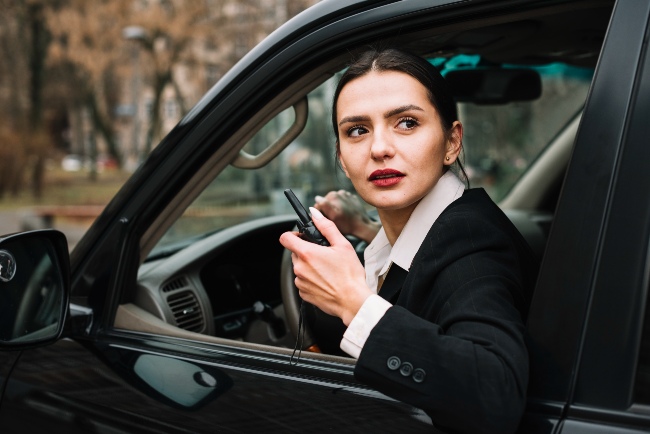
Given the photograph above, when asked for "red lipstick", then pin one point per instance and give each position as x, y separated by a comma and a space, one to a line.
385, 177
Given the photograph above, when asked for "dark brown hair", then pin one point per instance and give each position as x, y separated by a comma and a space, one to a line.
392, 59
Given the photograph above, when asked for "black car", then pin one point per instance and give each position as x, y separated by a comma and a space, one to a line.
177, 311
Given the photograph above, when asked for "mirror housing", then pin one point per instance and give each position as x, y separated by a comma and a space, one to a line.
34, 288
486, 85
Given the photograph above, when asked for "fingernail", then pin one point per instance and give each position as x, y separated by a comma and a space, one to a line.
315, 213
319, 199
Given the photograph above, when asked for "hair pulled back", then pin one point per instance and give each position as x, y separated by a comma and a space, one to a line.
391, 59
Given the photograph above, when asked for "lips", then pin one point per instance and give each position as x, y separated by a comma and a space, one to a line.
385, 177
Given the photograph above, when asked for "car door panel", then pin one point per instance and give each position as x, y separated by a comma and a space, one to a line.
602, 382
69, 387
596, 427
560, 304
611, 347
7, 360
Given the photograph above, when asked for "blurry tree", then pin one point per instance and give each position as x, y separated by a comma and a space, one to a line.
11, 81
24, 40
95, 38
169, 29
86, 52
67, 64
90, 36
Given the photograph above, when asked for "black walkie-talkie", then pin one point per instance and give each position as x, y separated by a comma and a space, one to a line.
305, 224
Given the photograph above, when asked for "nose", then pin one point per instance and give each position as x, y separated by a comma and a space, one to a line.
382, 146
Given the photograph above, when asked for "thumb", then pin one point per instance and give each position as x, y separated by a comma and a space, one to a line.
327, 227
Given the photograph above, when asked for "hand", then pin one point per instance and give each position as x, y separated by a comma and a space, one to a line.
348, 214
331, 278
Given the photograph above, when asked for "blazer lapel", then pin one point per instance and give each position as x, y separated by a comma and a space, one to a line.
393, 282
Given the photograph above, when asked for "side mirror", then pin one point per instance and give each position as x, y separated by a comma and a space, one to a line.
34, 288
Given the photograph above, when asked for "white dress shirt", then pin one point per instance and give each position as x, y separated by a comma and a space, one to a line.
380, 255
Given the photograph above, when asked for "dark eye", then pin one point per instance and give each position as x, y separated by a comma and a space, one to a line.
407, 124
356, 131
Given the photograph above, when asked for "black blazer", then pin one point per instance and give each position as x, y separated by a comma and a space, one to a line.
453, 343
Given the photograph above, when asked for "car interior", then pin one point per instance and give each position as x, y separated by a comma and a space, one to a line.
207, 283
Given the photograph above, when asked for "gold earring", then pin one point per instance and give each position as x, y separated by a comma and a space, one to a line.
447, 158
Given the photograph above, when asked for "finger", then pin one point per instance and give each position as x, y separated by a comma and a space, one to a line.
325, 206
322, 205
333, 195
292, 241
327, 228
294, 259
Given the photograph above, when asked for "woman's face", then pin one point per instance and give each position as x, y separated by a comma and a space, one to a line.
391, 142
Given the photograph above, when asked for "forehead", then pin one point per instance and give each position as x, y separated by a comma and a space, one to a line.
380, 90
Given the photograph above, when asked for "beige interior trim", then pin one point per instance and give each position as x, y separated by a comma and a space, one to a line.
247, 161
130, 317
528, 192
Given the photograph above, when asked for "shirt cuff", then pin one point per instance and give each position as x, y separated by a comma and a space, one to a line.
356, 335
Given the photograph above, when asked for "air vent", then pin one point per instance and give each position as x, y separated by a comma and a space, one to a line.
187, 311
178, 283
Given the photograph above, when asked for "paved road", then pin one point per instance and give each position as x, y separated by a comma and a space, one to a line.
9, 222
21, 220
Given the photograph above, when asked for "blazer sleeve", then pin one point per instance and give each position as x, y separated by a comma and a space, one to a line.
454, 343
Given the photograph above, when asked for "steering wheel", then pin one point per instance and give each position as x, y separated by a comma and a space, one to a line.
292, 301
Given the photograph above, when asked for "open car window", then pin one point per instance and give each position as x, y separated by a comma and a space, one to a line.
501, 141
219, 269
307, 166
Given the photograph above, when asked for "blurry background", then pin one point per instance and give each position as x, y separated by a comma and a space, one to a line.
88, 88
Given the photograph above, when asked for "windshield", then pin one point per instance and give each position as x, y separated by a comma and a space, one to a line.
500, 143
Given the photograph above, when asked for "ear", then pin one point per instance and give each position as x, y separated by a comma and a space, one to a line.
338, 155
454, 143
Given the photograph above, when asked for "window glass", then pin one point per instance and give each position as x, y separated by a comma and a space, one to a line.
500, 143
307, 166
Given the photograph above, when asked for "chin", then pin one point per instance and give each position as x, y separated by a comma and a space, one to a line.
393, 204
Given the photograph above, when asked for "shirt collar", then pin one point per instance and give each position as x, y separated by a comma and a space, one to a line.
379, 254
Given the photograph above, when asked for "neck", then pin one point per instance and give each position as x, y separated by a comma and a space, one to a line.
394, 220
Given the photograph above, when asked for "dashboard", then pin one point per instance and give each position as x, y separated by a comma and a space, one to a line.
225, 285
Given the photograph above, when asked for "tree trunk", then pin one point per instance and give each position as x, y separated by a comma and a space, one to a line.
161, 80
104, 128
38, 51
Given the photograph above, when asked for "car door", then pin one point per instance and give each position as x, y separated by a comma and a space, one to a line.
107, 379
587, 316
611, 380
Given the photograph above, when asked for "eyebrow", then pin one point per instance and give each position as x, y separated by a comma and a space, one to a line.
353, 119
402, 109
388, 114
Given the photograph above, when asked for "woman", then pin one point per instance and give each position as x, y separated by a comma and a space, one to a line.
436, 319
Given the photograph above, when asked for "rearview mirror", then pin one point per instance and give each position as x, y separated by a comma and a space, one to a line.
487, 85
34, 288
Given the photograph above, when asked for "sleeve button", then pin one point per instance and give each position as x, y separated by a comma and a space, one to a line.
394, 363
406, 369
419, 375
